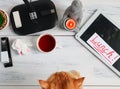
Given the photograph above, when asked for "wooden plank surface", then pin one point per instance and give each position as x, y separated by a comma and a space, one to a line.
110, 7
69, 54
38, 87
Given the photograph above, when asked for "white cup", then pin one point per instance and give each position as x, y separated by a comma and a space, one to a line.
46, 43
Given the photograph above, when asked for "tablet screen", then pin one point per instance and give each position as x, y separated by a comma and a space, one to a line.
106, 36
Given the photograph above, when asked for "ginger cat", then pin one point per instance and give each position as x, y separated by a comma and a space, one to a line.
63, 80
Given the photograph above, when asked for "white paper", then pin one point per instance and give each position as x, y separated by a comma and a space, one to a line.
98, 44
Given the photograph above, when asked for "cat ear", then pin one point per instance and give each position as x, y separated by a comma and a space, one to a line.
43, 84
79, 81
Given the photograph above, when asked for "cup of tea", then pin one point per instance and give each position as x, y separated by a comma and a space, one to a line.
46, 43
4, 19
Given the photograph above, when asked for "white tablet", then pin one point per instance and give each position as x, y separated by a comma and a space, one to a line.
101, 36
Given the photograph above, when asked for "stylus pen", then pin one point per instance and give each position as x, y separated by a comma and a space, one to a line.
32, 14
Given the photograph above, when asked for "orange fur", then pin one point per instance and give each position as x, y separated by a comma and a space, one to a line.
63, 80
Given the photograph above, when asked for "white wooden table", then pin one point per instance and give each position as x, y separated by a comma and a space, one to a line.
69, 54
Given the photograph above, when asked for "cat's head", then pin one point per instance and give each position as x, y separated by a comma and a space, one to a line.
62, 80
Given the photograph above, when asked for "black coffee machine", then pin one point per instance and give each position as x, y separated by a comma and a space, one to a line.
33, 17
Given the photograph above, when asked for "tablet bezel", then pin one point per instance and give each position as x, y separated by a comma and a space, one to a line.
85, 27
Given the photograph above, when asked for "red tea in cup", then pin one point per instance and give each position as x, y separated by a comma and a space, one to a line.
46, 43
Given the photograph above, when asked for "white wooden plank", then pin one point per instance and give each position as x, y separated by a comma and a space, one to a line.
89, 6
38, 87
28, 69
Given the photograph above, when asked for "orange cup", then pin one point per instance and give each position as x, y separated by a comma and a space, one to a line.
70, 24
